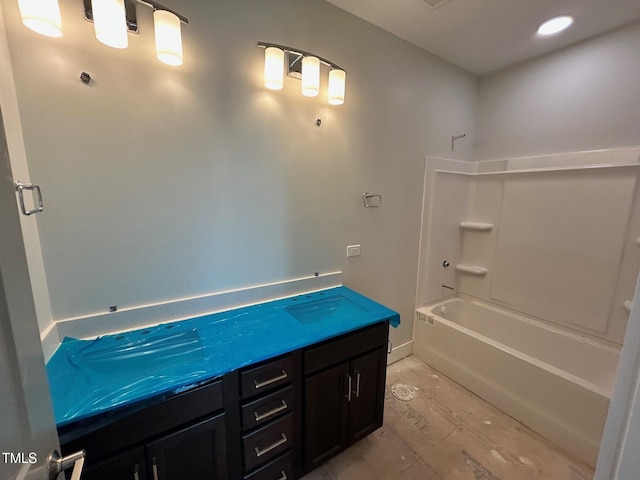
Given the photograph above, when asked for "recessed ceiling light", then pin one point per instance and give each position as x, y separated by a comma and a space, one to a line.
555, 25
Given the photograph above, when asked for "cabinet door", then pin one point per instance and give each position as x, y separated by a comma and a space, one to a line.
129, 465
366, 408
197, 453
325, 415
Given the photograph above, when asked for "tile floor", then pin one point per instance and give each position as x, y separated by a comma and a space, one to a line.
448, 433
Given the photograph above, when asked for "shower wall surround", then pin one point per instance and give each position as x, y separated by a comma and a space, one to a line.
555, 237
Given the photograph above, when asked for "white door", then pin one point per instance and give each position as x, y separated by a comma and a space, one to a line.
27, 427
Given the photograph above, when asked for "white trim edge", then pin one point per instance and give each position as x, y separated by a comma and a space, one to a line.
399, 352
90, 326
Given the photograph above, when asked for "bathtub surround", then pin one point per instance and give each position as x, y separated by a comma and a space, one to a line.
547, 243
562, 246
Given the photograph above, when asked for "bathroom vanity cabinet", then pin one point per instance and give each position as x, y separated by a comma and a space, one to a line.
344, 392
274, 420
174, 438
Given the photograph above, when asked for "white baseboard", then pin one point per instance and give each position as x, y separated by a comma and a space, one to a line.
90, 326
399, 352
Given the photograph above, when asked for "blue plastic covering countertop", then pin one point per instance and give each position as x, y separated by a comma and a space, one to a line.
89, 377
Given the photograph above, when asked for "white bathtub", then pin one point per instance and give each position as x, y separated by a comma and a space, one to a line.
556, 382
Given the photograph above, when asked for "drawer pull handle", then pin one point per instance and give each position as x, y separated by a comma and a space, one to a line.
262, 416
284, 475
271, 380
136, 470
273, 446
357, 392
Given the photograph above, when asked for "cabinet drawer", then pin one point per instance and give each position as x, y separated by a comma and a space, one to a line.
266, 377
267, 442
342, 348
267, 408
278, 469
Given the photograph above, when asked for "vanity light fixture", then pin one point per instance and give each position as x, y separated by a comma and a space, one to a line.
168, 37
337, 79
112, 20
109, 22
310, 76
273, 68
555, 25
42, 16
304, 66
167, 28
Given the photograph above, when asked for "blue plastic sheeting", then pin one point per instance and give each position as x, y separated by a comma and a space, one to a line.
88, 377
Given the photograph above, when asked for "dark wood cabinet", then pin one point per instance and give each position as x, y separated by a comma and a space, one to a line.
276, 419
197, 452
367, 395
325, 415
270, 413
344, 402
129, 465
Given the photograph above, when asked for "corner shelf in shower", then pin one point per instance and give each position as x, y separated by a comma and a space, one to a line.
476, 226
472, 269
628, 304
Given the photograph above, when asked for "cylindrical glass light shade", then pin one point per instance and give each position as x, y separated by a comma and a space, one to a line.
273, 68
168, 37
42, 16
337, 82
109, 21
310, 76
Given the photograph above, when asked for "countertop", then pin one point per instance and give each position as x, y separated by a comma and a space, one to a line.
90, 377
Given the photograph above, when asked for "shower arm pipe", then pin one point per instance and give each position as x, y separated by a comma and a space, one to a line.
299, 53
456, 137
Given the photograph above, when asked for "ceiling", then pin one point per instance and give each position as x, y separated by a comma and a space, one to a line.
483, 36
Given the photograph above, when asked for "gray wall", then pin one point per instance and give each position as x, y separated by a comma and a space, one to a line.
584, 97
162, 183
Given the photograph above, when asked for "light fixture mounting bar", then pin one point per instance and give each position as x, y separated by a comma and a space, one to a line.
299, 53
